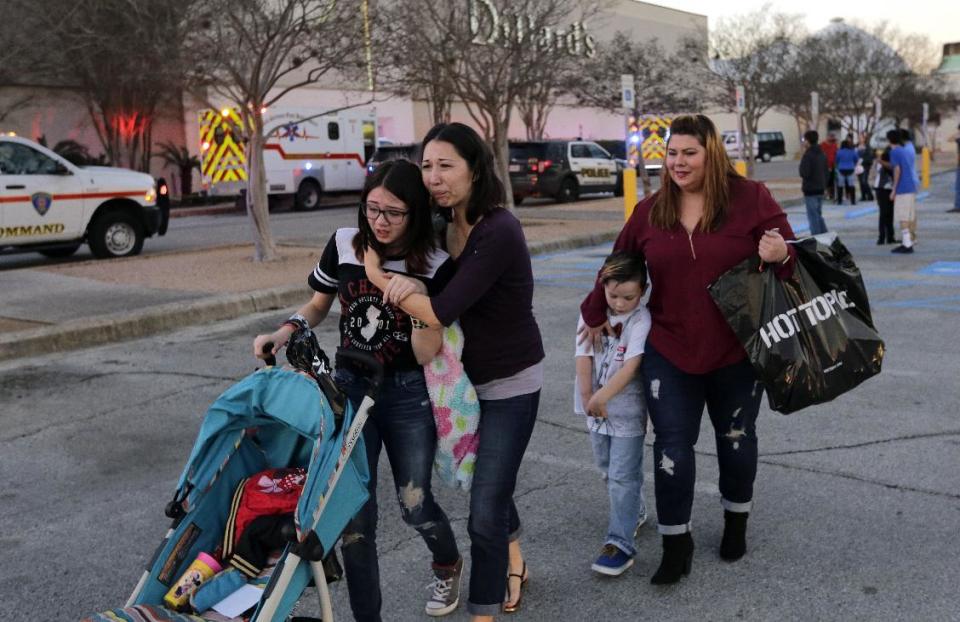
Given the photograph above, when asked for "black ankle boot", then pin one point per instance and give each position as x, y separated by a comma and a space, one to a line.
734, 542
676, 561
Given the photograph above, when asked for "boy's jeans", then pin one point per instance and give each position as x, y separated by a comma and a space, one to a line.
621, 460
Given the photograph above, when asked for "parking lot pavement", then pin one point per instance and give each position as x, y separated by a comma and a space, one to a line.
857, 504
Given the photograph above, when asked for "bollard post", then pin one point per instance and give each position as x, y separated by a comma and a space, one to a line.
629, 192
925, 168
741, 167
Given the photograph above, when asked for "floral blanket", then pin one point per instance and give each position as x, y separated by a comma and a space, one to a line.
456, 411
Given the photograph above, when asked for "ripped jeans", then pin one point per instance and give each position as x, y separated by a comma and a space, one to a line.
402, 421
675, 401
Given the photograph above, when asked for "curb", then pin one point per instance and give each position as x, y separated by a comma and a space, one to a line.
123, 326
213, 210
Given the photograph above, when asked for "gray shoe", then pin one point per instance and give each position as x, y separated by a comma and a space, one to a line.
446, 589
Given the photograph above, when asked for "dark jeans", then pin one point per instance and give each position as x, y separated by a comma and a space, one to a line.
505, 429
885, 219
866, 192
402, 421
675, 401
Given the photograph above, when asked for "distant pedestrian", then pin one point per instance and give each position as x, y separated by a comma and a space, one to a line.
904, 194
867, 156
829, 147
846, 164
956, 183
883, 186
609, 392
813, 173
906, 140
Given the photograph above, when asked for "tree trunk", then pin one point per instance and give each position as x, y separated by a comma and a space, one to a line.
257, 209
501, 157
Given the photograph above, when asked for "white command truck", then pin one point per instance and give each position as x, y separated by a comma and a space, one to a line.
51, 206
307, 153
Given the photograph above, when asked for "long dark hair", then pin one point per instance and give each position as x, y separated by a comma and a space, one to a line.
487, 193
401, 178
665, 213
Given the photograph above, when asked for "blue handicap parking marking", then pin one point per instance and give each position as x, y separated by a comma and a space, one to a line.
939, 303
857, 213
798, 223
942, 268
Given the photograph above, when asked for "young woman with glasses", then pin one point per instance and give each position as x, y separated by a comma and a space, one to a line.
492, 297
395, 222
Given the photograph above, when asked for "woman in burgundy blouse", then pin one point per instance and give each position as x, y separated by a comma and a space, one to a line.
703, 221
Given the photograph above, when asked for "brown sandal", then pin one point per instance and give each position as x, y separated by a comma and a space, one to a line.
507, 608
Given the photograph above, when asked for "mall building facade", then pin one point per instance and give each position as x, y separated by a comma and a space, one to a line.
59, 113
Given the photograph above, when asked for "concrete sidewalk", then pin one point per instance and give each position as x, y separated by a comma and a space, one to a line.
65, 306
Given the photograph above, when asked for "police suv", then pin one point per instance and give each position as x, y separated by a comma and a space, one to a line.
562, 169
51, 206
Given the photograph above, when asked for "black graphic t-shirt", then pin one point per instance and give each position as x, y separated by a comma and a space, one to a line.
367, 324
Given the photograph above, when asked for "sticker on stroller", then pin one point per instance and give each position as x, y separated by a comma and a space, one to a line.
177, 554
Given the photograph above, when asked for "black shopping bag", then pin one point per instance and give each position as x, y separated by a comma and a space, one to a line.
810, 337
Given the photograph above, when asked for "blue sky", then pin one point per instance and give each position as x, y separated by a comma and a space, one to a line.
938, 19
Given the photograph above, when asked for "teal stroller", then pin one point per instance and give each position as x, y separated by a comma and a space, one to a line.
272, 419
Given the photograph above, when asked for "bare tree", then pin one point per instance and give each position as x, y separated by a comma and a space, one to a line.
125, 59
748, 51
803, 70
536, 100
413, 66
491, 52
666, 82
860, 67
18, 54
254, 52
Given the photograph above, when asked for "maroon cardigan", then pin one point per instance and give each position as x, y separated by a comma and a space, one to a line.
688, 328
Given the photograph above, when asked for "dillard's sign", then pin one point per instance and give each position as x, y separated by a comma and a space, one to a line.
490, 27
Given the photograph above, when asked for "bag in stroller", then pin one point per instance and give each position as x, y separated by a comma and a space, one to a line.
273, 419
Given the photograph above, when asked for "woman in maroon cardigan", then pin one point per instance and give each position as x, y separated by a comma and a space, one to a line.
703, 221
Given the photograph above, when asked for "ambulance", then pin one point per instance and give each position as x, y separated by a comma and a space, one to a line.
307, 153
51, 206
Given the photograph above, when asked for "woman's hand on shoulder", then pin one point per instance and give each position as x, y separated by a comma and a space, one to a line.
593, 333
772, 247
400, 286
372, 263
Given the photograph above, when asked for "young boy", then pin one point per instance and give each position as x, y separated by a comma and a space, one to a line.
610, 394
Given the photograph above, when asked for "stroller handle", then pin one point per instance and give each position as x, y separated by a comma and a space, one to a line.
270, 359
368, 364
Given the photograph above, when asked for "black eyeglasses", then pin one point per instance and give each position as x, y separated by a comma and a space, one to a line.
392, 216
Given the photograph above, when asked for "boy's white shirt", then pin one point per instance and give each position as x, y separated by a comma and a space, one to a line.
626, 411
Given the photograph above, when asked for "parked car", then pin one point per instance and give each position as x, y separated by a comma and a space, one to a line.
409, 151
562, 169
51, 206
618, 149
766, 145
